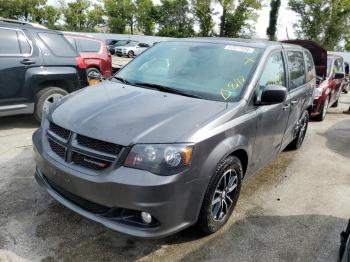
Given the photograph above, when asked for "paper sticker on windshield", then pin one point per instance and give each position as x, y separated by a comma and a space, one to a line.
239, 49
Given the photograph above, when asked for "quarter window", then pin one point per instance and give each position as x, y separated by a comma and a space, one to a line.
57, 44
310, 67
9, 44
274, 73
296, 69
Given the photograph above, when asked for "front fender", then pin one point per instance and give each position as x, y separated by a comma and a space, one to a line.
237, 134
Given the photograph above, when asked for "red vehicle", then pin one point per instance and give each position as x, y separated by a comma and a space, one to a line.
94, 52
330, 73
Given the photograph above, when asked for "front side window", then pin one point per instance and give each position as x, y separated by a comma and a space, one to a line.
214, 71
274, 73
296, 69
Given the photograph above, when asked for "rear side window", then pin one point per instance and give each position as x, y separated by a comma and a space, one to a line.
9, 44
57, 44
14, 42
296, 69
85, 45
310, 67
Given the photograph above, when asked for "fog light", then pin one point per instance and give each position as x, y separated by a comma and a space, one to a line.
146, 217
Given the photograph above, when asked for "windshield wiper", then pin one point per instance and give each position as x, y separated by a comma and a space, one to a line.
124, 81
165, 89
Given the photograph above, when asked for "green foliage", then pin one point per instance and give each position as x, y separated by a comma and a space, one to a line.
20, 9
271, 30
323, 21
81, 16
238, 17
120, 14
173, 17
145, 16
203, 13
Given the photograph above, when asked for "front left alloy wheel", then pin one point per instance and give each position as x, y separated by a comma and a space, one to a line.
221, 195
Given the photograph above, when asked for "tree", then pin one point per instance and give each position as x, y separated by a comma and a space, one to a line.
20, 9
47, 16
203, 13
173, 17
238, 17
79, 16
271, 30
323, 21
120, 13
145, 16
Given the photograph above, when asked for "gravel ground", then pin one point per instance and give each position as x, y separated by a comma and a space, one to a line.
293, 210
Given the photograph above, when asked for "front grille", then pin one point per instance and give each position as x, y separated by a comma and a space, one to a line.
81, 150
60, 131
98, 145
57, 148
83, 203
90, 162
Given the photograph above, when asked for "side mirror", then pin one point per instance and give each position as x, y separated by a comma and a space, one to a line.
273, 94
339, 75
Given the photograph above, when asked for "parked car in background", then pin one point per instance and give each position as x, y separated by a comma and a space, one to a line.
37, 67
131, 49
167, 142
111, 45
94, 52
111, 48
330, 77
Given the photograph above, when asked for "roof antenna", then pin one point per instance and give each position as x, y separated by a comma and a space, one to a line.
287, 32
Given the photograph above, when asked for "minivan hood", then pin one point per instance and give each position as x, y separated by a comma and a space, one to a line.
127, 115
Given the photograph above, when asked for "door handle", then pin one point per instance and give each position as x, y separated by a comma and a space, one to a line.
286, 107
294, 102
27, 61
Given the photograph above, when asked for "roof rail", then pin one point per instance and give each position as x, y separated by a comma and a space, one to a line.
13, 21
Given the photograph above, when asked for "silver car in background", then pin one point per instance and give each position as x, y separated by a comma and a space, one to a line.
133, 48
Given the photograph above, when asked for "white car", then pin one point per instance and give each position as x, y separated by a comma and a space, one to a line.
131, 49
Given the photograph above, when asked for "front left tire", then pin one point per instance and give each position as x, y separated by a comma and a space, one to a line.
221, 196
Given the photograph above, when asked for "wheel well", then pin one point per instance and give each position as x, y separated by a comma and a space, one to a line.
243, 157
65, 85
95, 67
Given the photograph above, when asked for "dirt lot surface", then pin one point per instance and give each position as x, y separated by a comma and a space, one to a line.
293, 210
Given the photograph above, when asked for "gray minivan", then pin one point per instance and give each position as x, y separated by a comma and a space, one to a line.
167, 142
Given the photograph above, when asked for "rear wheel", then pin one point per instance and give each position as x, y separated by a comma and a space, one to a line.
221, 195
93, 74
299, 139
45, 98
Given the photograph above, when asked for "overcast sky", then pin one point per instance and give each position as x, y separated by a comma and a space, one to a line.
286, 19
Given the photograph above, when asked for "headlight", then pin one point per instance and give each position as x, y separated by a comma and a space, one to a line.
161, 159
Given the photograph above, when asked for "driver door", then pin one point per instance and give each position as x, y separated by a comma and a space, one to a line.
271, 119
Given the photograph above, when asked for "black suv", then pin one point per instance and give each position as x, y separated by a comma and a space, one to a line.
37, 67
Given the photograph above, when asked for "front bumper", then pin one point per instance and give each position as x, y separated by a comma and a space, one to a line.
173, 201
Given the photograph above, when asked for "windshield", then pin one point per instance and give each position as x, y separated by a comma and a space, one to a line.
212, 71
